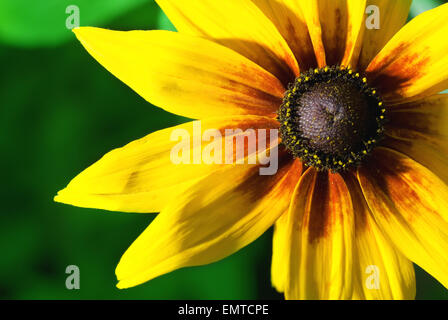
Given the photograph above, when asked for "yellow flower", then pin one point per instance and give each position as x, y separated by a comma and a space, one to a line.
361, 188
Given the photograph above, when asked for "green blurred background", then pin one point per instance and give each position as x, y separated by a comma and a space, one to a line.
59, 112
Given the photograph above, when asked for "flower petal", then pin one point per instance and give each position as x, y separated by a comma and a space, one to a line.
280, 248
239, 25
189, 76
380, 271
413, 63
310, 9
424, 153
341, 23
410, 205
355, 32
290, 21
418, 129
141, 176
393, 16
279, 254
320, 232
335, 27
425, 119
212, 219
334, 22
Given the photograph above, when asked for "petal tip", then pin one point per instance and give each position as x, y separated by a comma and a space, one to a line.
65, 197
82, 32
58, 197
78, 30
122, 282
120, 285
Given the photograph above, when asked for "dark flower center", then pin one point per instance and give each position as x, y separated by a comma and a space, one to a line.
331, 119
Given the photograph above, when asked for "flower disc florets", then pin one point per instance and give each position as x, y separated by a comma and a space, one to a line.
331, 119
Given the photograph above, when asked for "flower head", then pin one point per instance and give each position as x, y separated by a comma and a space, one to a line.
361, 188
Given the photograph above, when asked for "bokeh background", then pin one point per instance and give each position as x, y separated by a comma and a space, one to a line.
60, 111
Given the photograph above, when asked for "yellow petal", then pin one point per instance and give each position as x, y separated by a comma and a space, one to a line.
379, 270
189, 76
355, 31
335, 28
310, 9
334, 22
290, 21
410, 205
279, 249
425, 119
393, 16
341, 24
141, 176
320, 231
214, 218
424, 153
413, 63
239, 25
279, 254
418, 129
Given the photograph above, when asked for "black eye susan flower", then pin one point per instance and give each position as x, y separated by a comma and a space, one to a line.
362, 175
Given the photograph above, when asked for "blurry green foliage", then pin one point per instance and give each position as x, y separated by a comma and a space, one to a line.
33, 23
60, 111
419, 6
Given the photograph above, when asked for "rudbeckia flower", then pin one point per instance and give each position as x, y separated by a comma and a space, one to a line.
360, 193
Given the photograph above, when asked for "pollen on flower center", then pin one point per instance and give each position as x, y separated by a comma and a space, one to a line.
331, 119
